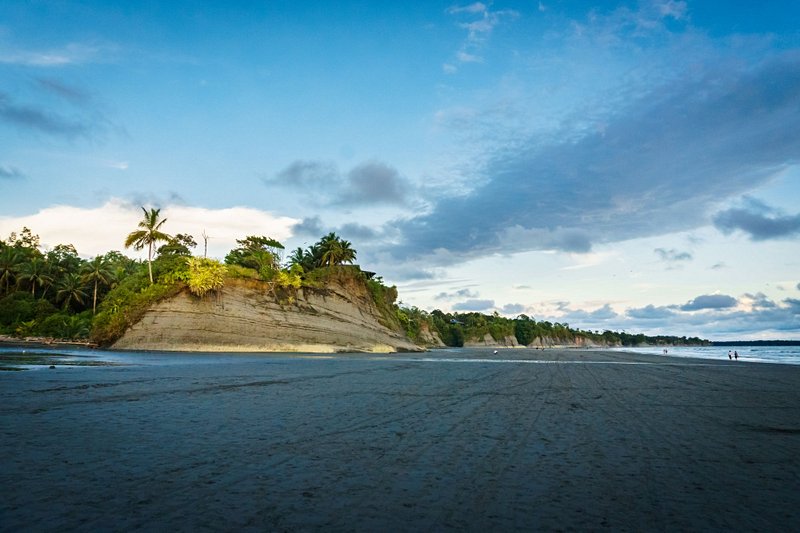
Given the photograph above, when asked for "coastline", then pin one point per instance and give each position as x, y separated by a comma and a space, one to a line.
44, 342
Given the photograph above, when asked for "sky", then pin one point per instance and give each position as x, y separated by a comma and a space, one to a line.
632, 166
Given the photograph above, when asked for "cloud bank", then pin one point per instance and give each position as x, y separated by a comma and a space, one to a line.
758, 222
658, 164
367, 184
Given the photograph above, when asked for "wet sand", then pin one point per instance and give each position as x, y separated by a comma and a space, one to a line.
581, 440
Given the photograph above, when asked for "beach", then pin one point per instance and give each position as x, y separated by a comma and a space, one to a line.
453, 439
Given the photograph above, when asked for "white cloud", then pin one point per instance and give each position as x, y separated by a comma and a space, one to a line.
118, 165
477, 7
70, 54
672, 8
483, 22
98, 230
465, 57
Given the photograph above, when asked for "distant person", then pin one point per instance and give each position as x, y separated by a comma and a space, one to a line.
729, 355
736, 355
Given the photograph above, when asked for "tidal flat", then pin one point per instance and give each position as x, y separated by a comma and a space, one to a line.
453, 439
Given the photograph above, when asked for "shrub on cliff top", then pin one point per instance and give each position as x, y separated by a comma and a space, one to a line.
205, 275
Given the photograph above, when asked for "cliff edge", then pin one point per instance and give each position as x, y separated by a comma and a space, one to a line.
244, 317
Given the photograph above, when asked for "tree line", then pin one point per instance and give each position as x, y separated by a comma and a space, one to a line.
455, 329
58, 294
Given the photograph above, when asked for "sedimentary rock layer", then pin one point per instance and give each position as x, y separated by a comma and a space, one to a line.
245, 317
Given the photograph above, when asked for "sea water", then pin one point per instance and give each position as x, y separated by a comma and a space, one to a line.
82, 356
760, 354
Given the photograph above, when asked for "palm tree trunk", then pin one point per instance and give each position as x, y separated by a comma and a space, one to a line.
150, 261
94, 300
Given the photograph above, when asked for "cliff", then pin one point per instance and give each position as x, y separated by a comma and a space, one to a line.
539, 342
430, 338
244, 317
488, 340
577, 342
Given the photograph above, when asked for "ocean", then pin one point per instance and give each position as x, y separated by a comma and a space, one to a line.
760, 354
39, 357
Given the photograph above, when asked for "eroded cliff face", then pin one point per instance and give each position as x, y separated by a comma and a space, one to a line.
538, 342
488, 340
244, 317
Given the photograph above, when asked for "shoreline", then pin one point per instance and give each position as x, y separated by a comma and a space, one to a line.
45, 342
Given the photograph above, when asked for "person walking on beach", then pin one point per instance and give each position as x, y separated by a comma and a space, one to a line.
729, 355
736, 355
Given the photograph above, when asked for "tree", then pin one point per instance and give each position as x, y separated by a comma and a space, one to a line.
35, 272
9, 263
524, 329
257, 252
180, 244
335, 250
63, 258
98, 273
25, 239
302, 258
70, 290
149, 234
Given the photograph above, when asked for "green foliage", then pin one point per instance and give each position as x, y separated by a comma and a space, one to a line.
454, 336
291, 278
382, 295
97, 274
36, 273
16, 307
70, 290
411, 320
384, 299
171, 269
179, 244
26, 329
239, 272
25, 239
331, 250
259, 253
10, 259
64, 325
524, 329
205, 275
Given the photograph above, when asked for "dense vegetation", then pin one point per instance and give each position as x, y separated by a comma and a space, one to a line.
457, 328
57, 294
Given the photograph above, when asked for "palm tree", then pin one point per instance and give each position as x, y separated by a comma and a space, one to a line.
149, 234
335, 250
97, 272
9, 261
71, 290
348, 254
331, 253
35, 271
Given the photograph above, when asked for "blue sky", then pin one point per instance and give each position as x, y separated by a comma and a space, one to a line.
631, 165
